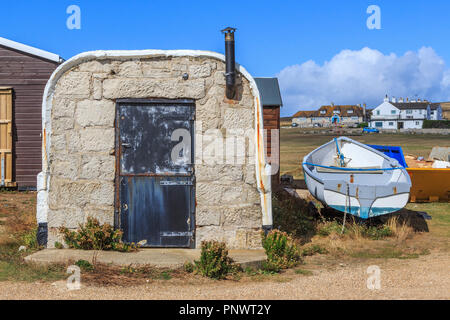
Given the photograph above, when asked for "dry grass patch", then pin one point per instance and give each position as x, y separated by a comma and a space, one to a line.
400, 230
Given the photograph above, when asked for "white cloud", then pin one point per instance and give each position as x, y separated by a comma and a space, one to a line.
365, 75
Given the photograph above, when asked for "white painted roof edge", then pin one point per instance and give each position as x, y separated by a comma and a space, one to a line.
263, 168
31, 50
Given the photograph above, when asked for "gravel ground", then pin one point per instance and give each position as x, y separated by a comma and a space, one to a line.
424, 278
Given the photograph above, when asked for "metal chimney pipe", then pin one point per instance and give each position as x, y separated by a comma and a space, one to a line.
230, 74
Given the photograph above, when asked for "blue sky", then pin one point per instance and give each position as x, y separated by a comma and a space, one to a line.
274, 38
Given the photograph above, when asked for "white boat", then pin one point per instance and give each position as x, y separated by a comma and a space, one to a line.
354, 178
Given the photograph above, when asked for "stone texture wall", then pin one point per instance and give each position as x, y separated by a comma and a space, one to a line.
82, 161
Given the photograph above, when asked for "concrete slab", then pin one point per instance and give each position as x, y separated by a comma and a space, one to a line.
167, 258
440, 153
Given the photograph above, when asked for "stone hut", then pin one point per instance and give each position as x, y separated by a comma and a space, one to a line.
147, 141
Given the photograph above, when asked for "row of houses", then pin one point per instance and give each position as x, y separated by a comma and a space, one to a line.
330, 115
404, 114
391, 114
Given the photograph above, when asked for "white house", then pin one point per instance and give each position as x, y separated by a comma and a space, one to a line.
400, 114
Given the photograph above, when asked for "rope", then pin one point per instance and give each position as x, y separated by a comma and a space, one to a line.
349, 206
340, 155
351, 169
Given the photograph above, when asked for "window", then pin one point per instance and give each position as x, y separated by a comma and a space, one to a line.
393, 112
322, 111
417, 123
378, 112
336, 111
432, 112
379, 124
349, 111
391, 124
409, 111
354, 118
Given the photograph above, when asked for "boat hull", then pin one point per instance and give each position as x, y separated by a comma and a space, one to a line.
362, 194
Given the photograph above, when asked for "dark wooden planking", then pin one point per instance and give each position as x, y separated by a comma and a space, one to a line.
271, 119
28, 76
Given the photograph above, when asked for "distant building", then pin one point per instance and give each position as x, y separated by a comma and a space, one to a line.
400, 114
327, 116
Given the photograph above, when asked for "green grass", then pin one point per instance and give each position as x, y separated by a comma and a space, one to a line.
303, 272
388, 253
14, 268
440, 213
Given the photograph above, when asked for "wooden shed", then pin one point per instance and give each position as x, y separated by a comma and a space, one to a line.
271, 101
24, 72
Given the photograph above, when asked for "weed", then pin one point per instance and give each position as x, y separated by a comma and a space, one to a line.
84, 265
214, 261
58, 245
165, 275
188, 267
93, 236
29, 239
281, 251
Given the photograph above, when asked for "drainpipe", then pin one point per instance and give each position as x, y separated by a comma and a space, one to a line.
230, 74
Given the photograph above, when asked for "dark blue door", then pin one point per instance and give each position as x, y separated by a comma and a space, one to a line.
156, 173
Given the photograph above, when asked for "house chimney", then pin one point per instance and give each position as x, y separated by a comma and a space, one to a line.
386, 99
400, 99
393, 99
364, 112
230, 75
407, 99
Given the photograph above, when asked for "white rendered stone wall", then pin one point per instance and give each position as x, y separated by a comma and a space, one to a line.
81, 157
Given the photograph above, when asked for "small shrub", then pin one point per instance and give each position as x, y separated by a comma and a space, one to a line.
93, 236
281, 251
188, 267
29, 239
58, 245
214, 261
84, 265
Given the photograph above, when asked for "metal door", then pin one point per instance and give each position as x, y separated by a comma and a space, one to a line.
155, 174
